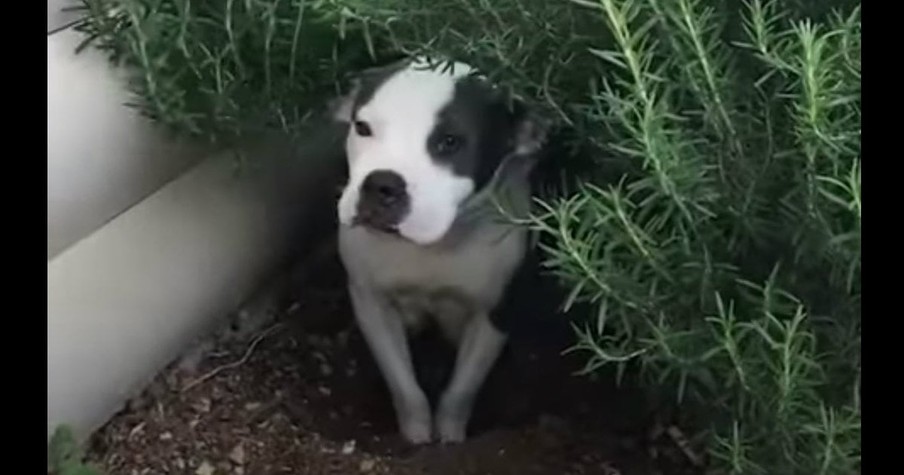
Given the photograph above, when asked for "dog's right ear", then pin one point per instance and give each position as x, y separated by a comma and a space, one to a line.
342, 108
360, 86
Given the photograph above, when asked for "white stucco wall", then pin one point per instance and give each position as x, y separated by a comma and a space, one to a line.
101, 156
150, 242
58, 15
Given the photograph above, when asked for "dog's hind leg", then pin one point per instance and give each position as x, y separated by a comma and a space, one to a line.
384, 332
480, 347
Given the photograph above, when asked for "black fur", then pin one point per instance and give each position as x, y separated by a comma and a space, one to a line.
486, 125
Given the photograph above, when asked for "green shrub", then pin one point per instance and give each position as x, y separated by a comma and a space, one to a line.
65, 456
723, 262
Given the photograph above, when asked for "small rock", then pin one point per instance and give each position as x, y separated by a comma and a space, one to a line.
202, 406
608, 469
326, 369
237, 456
239, 471
166, 436
205, 469
348, 448
324, 390
252, 406
367, 465
180, 464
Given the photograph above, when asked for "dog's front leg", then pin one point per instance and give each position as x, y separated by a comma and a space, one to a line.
479, 349
385, 334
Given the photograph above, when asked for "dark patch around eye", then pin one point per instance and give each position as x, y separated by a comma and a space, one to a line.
474, 132
447, 144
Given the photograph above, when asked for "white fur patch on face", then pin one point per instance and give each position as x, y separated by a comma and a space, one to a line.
401, 115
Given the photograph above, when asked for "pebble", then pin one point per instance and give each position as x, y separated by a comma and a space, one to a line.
348, 448
205, 469
237, 455
326, 369
202, 406
367, 465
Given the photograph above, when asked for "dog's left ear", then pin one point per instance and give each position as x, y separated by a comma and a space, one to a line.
342, 108
530, 134
530, 131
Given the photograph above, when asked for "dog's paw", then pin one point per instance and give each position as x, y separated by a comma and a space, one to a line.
415, 420
452, 419
417, 432
451, 431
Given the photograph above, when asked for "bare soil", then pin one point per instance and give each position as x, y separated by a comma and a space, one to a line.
303, 396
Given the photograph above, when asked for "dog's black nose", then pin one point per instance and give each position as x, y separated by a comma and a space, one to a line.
384, 186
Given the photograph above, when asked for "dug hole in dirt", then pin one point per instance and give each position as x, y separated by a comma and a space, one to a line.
290, 388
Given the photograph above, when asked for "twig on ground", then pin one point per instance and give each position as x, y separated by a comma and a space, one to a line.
608, 469
681, 441
236, 363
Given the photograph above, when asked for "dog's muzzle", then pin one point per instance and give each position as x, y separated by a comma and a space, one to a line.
383, 201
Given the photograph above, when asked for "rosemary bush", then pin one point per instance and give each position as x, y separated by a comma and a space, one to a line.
721, 259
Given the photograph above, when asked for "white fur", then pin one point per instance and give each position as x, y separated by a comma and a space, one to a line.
401, 114
478, 268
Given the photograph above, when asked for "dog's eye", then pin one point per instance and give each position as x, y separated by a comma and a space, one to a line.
363, 128
448, 144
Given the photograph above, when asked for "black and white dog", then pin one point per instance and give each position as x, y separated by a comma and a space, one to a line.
430, 150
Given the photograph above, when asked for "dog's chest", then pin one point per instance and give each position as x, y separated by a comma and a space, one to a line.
447, 282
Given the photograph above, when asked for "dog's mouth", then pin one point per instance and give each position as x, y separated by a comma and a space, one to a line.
375, 225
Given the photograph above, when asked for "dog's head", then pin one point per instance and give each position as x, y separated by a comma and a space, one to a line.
422, 139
